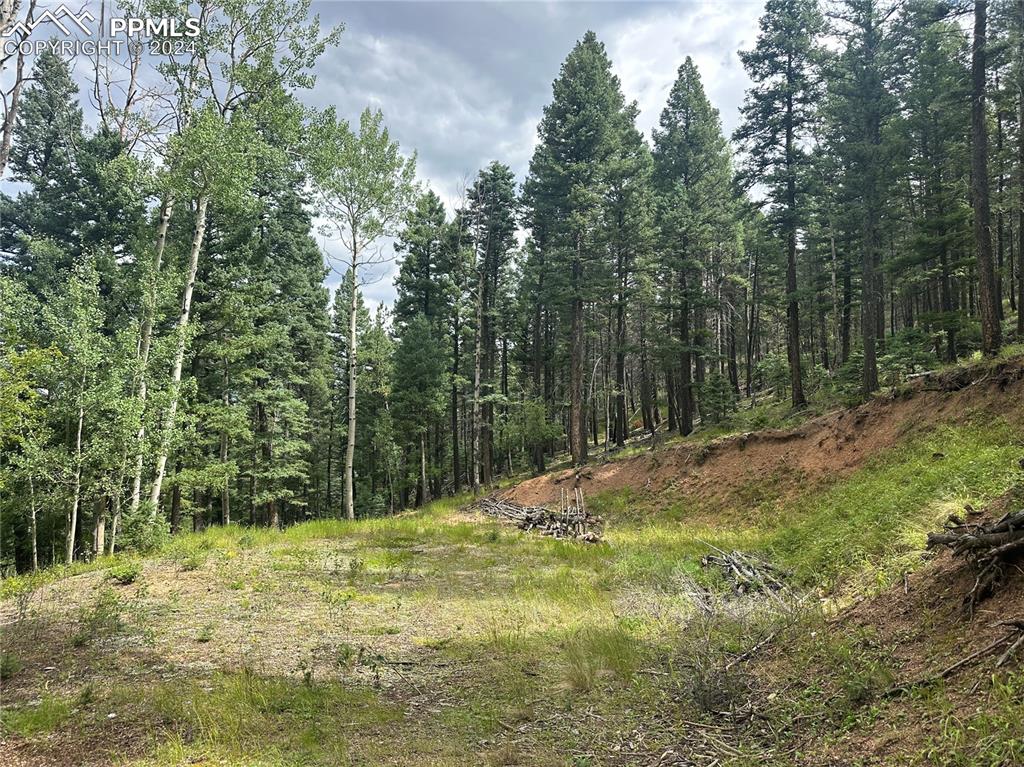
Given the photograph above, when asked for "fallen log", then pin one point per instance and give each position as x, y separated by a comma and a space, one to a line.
572, 520
989, 547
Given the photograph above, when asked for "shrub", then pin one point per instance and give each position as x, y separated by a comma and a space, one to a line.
101, 620
9, 665
125, 572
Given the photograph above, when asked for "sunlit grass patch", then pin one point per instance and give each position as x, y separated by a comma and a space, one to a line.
44, 716
878, 515
596, 654
256, 720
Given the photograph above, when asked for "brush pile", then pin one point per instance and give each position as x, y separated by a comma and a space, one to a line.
746, 573
989, 546
572, 520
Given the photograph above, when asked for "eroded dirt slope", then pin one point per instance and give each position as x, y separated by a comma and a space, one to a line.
824, 448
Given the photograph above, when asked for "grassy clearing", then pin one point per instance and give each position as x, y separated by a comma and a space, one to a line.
467, 642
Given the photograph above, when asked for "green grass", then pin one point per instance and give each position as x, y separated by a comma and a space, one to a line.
991, 737
244, 718
32, 719
516, 648
873, 524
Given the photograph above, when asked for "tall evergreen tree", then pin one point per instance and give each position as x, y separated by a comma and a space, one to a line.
579, 134
692, 175
778, 113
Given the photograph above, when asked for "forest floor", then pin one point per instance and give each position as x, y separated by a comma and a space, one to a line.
443, 637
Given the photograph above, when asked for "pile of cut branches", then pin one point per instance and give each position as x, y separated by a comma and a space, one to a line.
572, 520
990, 546
746, 573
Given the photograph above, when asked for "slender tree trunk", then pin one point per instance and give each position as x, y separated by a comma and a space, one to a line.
33, 530
425, 488
76, 493
869, 311
1000, 238
12, 102
99, 529
847, 319
1020, 172
621, 427
645, 376
752, 327
115, 519
145, 343
793, 304
991, 334
456, 467
684, 413
179, 354
577, 416
350, 439
477, 362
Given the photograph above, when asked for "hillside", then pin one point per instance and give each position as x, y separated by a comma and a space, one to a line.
443, 637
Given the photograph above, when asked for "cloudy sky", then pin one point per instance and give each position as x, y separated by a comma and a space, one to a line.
464, 83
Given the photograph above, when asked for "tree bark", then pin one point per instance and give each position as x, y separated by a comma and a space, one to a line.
477, 362
793, 306
684, 413
1020, 172
145, 343
13, 96
179, 354
991, 335
76, 494
33, 530
456, 467
425, 488
621, 427
350, 438
577, 416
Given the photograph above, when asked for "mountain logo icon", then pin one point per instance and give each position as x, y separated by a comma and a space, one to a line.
62, 17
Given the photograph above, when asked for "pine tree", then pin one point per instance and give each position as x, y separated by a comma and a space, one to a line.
692, 176
861, 107
778, 113
579, 134
491, 224
420, 384
988, 297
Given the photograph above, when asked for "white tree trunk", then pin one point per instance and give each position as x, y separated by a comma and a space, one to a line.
179, 354
350, 448
145, 343
35, 530
425, 498
77, 492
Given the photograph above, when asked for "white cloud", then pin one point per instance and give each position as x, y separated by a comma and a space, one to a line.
646, 53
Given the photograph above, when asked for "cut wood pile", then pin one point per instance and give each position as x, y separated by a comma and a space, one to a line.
746, 573
989, 545
571, 520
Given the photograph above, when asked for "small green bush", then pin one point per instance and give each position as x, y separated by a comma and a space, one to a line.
9, 665
125, 572
101, 619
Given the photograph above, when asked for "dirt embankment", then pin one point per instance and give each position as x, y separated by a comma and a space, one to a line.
724, 472
930, 638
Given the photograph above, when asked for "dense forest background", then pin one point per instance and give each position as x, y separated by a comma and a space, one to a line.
169, 355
